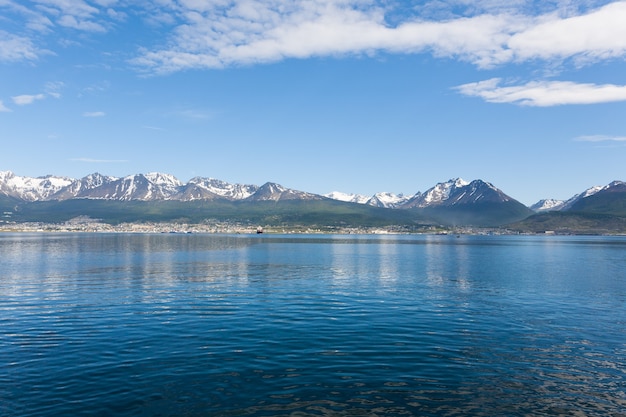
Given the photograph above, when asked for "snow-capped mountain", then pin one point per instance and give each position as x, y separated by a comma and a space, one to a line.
457, 192
153, 186
547, 205
387, 200
149, 187
274, 192
85, 187
157, 186
445, 194
437, 195
560, 205
199, 188
31, 189
587, 193
348, 197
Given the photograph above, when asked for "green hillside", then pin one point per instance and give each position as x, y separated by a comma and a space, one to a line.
487, 214
605, 202
571, 223
600, 213
7, 205
327, 213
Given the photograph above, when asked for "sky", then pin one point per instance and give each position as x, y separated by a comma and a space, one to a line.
357, 96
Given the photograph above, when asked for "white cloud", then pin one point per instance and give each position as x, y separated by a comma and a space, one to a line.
243, 34
206, 34
600, 34
3, 108
544, 93
16, 48
600, 138
94, 114
25, 99
217, 34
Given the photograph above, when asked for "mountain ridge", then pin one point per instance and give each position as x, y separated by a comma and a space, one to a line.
156, 186
455, 202
160, 186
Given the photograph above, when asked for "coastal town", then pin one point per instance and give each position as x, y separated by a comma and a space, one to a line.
88, 225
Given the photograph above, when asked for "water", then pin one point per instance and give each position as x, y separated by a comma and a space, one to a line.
220, 325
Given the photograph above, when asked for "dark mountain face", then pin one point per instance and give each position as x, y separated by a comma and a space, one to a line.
610, 200
476, 192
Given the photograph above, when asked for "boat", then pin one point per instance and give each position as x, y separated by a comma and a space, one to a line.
259, 230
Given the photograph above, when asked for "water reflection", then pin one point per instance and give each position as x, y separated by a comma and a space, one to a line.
278, 325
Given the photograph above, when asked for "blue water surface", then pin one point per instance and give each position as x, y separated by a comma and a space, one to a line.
311, 325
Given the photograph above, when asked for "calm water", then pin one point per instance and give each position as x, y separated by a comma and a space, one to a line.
210, 325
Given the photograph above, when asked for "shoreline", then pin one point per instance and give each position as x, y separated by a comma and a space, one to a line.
234, 228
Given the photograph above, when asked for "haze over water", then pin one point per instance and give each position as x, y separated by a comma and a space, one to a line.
225, 325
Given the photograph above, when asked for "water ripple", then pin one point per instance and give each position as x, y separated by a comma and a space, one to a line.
131, 325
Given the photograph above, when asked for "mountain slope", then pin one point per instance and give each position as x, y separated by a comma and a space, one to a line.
560, 205
199, 188
476, 203
275, 192
597, 210
457, 192
608, 200
387, 200
348, 197
547, 205
578, 223
320, 213
31, 189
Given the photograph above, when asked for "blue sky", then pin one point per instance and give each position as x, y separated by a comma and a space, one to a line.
357, 96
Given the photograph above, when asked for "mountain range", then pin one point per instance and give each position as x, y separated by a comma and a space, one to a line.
454, 202
157, 186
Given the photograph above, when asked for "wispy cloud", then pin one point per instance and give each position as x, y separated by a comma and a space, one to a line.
195, 114
75, 14
100, 161
17, 48
3, 108
25, 99
54, 88
50, 16
600, 138
544, 93
94, 114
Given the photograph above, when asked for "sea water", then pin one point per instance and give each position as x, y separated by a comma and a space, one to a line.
311, 325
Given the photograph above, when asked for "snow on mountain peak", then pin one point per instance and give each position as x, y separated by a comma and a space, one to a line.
166, 180
441, 191
388, 200
547, 205
348, 197
223, 188
31, 189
